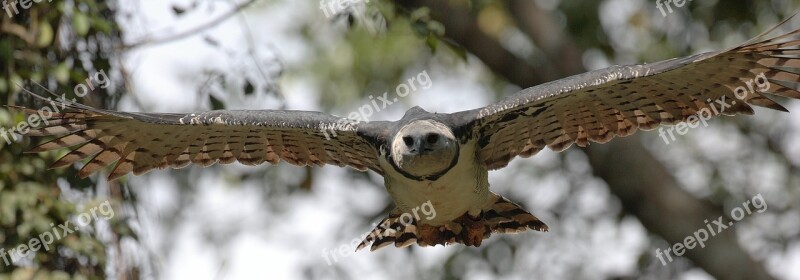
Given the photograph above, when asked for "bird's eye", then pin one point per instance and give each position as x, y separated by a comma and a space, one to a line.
432, 138
408, 140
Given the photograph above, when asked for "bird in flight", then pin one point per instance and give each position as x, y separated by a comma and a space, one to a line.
441, 159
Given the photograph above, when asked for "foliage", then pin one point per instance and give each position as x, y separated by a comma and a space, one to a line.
57, 45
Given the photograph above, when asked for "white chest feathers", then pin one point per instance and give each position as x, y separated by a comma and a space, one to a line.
464, 188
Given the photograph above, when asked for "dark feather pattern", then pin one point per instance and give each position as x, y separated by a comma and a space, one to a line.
140, 142
503, 216
617, 101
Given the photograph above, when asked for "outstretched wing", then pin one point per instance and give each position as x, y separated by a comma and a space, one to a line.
140, 142
616, 101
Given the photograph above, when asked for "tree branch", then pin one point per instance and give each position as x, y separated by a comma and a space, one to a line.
192, 31
558, 46
462, 27
651, 193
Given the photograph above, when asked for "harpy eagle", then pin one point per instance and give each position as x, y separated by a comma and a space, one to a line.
437, 158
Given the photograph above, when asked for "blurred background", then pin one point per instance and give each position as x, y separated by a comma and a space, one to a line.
609, 207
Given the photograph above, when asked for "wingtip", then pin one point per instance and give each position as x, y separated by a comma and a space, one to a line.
57, 165
38, 149
763, 101
114, 177
36, 95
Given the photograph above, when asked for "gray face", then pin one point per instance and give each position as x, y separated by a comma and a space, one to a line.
424, 147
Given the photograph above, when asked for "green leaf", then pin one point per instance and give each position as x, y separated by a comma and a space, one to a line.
103, 25
436, 28
432, 43
60, 275
45, 37
61, 73
81, 23
420, 14
16, 83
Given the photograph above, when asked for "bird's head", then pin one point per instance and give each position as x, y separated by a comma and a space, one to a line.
424, 147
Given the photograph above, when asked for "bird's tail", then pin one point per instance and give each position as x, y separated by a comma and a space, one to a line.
503, 216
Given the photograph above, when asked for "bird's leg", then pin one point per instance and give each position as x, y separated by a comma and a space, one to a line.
429, 235
474, 229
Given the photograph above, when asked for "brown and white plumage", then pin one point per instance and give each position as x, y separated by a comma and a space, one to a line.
617, 101
140, 142
440, 158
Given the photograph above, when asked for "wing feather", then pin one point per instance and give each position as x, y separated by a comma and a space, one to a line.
140, 142
620, 100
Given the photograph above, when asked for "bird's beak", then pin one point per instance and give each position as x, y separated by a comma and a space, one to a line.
421, 148
417, 150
